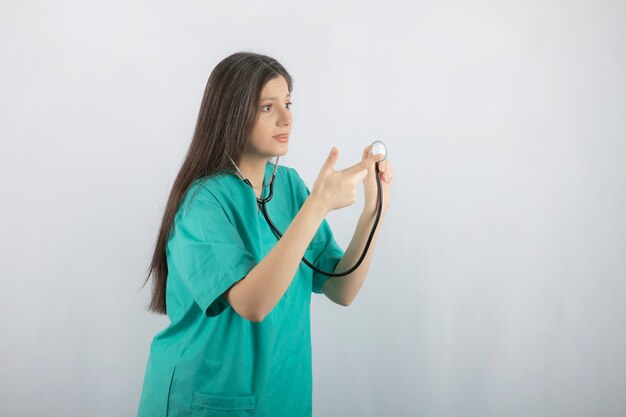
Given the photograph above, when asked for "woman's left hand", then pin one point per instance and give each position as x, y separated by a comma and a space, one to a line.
370, 186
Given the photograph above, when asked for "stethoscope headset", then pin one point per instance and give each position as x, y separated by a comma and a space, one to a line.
377, 148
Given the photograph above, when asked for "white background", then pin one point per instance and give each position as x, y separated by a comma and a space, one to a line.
498, 283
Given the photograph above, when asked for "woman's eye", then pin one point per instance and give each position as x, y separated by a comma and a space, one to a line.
269, 105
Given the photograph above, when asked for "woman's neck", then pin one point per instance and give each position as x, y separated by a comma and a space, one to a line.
253, 168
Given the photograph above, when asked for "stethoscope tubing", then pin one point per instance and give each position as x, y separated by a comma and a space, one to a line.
263, 201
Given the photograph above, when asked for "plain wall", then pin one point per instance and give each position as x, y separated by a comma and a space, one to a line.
498, 282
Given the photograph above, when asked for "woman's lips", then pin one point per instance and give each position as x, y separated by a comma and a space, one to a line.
281, 138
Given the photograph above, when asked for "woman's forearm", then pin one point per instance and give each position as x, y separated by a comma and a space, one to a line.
256, 295
343, 290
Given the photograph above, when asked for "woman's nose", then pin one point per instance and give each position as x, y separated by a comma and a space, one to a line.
285, 117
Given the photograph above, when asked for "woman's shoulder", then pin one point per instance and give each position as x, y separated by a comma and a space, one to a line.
294, 178
289, 172
286, 171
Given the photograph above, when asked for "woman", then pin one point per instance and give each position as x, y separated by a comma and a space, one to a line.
236, 296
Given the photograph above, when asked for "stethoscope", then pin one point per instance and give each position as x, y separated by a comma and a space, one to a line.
377, 147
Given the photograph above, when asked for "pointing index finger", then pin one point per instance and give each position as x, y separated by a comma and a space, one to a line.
364, 164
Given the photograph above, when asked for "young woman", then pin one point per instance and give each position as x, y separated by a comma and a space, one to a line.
237, 296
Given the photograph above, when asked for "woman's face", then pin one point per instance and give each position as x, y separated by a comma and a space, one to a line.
273, 118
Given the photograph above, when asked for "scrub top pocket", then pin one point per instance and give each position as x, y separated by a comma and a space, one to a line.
219, 406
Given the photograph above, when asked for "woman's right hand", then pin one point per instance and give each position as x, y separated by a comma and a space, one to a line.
337, 189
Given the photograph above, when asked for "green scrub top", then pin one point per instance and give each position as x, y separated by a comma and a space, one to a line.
210, 361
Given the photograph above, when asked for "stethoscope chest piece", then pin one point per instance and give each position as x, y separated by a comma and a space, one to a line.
379, 147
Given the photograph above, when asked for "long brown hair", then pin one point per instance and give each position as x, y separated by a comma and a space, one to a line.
228, 112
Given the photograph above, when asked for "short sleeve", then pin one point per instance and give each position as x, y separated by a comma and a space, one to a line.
206, 251
327, 253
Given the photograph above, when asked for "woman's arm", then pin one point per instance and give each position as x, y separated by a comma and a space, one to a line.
256, 295
343, 290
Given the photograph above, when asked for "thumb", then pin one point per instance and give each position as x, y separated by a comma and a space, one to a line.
332, 159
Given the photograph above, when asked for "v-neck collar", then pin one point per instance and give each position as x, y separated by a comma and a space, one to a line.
269, 169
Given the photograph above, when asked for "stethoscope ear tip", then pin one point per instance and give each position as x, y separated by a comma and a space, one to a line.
379, 147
